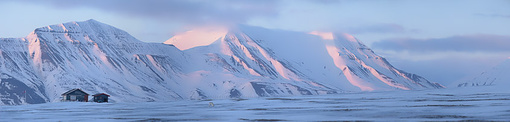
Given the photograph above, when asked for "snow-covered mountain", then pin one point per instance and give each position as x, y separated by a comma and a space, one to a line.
89, 55
497, 76
225, 63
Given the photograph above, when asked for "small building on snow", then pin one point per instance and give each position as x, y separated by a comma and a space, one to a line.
101, 97
75, 95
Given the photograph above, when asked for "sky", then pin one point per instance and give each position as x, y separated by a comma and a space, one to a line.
443, 40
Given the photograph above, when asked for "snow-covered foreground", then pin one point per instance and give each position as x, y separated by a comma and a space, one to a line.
475, 103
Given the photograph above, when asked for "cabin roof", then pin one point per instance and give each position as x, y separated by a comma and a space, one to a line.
101, 94
72, 90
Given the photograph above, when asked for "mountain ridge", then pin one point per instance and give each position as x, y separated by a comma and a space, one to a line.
495, 76
247, 62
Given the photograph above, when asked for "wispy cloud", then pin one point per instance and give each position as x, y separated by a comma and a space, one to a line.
468, 43
193, 12
378, 28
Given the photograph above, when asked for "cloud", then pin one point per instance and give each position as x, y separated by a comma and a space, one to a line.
192, 12
452, 67
370, 28
468, 43
378, 28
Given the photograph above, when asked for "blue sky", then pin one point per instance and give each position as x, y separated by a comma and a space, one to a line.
443, 40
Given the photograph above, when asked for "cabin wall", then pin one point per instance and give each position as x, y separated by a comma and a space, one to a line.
76, 96
102, 98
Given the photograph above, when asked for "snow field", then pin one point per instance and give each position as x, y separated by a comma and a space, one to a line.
481, 103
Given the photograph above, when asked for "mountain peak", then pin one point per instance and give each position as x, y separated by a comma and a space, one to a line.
92, 21
93, 29
197, 37
73, 26
335, 36
346, 36
241, 61
323, 35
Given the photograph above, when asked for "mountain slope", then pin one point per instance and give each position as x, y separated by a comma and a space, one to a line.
365, 69
18, 81
238, 62
330, 64
92, 56
100, 58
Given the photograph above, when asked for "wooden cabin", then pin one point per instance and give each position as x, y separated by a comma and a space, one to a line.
101, 97
75, 95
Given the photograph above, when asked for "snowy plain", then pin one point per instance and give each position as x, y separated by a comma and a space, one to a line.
486, 103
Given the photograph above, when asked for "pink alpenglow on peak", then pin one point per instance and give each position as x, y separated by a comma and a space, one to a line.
197, 37
205, 63
323, 35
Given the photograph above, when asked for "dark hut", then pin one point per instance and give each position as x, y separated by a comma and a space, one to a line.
75, 95
101, 97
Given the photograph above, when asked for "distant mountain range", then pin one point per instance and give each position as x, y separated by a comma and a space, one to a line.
243, 61
496, 76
